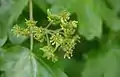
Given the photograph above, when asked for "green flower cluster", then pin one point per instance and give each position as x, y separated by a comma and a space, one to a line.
63, 38
20, 31
39, 33
49, 52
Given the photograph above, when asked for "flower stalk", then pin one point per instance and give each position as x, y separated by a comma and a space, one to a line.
31, 18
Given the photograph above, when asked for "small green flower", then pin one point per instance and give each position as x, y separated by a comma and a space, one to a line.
68, 55
69, 28
69, 45
64, 16
49, 52
55, 19
56, 39
73, 24
16, 30
19, 31
30, 23
38, 33
69, 32
26, 32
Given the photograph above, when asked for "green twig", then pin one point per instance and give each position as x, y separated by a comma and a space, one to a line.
30, 10
31, 18
56, 47
49, 25
56, 31
47, 39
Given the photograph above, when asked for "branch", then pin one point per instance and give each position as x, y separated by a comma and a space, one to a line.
31, 18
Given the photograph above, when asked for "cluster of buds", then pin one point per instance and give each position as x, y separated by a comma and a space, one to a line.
63, 38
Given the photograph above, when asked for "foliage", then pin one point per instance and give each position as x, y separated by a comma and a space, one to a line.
96, 55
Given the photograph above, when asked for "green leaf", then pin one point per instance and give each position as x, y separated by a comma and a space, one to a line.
13, 38
9, 12
103, 64
74, 68
1, 57
2, 41
20, 62
115, 4
42, 4
16, 40
90, 23
110, 17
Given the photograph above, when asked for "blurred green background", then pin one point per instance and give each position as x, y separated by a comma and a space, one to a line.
97, 54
